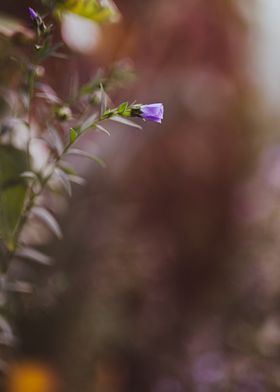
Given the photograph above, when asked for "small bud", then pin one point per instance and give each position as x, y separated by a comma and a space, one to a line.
63, 113
40, 71
33, 14
37, 21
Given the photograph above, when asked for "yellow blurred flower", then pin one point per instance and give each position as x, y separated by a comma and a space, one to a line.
96, 10
31, 377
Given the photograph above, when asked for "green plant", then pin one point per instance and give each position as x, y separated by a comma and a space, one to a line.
25, 187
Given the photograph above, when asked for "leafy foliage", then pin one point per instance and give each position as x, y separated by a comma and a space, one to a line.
13, 190
33, 150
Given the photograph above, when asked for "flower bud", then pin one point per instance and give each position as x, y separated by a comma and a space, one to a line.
63, 113
152, 112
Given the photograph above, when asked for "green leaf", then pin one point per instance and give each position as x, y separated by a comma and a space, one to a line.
13, 187
51, 51
73, 135
67, 168
122, 108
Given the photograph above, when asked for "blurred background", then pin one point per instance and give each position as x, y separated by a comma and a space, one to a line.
168, 276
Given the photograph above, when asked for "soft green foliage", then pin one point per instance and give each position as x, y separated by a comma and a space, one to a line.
73, 135
26, 136
96, 10
13, 190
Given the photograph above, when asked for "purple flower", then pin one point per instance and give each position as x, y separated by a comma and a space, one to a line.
152, 112
33, 14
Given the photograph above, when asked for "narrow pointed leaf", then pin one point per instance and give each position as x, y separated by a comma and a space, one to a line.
34, 255
73, 135
89, 122
76, 151
20, 287
125, 121
47, 92
77, 179
64, 180
67, 168
46, 217
6, 333
122, 107
29, 175
56, 140
102, 99
102, 129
